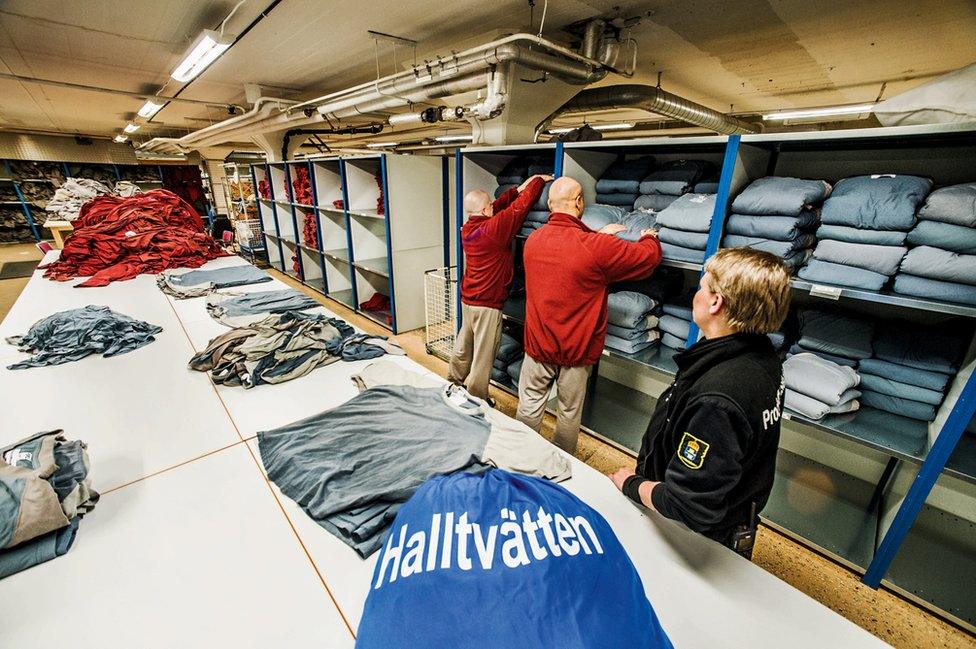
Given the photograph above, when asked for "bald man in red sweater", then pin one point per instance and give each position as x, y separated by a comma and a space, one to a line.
568, 268
487, 237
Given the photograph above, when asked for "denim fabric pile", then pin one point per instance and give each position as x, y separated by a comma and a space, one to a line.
777, 214
943, 263
632, 322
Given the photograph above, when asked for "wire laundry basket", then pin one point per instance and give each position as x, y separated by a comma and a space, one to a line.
440, 303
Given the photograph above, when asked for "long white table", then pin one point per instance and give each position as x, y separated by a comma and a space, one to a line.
192, 546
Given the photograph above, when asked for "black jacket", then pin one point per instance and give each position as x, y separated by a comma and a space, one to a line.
713, 437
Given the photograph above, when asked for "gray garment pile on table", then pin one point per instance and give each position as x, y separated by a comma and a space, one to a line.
403, 429
632, 320
943, 265
45, 490
197, 283
684, 226
840, 338
509, 353
619, 183
73, 193
242, 309
71, 335
284, 346
865, 224
777, 214
817, 387
911, 368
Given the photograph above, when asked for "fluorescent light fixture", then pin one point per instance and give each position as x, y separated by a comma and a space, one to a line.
381, 145
204, 51
149, 108
121, 138
453, 138
131, 128
820, 112
622, 126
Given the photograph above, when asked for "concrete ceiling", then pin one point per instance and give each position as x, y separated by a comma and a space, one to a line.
747, 55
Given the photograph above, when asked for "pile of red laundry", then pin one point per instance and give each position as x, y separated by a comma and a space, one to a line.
338, 204
302, 186
380, 202
118, 238
264, 189
378, 303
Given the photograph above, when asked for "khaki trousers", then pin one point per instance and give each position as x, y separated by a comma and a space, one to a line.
475, 348
536, 380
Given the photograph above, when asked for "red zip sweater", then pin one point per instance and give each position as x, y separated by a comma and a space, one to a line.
487, 243
567, 270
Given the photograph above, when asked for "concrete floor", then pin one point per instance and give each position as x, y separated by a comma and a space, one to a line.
886, 615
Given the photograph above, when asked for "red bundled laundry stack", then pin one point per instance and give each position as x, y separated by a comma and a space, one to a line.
338, 204
310, 231
185, 182
264, 189
380, 202
302, 186
378, 302
118, 238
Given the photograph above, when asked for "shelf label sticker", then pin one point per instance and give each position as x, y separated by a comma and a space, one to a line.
829, 292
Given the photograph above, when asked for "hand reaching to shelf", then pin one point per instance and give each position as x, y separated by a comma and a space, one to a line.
612, 228
545, 178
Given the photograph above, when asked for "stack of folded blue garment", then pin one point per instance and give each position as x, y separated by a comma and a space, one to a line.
596, 217
515, 370
943, 266
538, 216
619, 183
911, 369
662, 187
865, 224
512, 175
631, 322
683, 227
839, 338
674, 325
540, 166
817, 387
777, 214
509, 351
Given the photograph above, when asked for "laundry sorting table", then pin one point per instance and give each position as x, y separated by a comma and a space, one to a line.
191, 546
59, 230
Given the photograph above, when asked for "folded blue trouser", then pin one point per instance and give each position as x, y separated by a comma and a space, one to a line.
624, 200
540, 167
819, 378
934, 349
884, 385
597, 216
515, 370
499, 364
678, 311
944, 265
38, 550
691, 213
897, 406
693, 240
859, 235
628, 333
624, 176
675, 326
877, 202
680, 253
824, 272
636, 222
542, 203
840, 360
629, 309
954, 204
934, 289
219, 277
627, 346
778, 248
780, 195
499, 375
501, 189
706, 187
672, 341
510, 180
654, 202
944, 235
836, 333
674, 178
222, 305
780, 228
883, 260
515, 171
538, 216
509, 349
937, 381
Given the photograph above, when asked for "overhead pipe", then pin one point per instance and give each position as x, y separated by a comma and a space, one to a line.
592, 34
653, 100
369, 129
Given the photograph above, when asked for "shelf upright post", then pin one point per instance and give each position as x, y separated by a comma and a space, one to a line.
351, 255
318, 226
947, 440
557, 167
718, 216
389, 241
459, 251
274, 216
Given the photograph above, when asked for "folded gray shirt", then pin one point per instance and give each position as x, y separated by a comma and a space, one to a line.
780, 195
955, 204
691, 213
944, 265
819, 378
813, 409
883, 260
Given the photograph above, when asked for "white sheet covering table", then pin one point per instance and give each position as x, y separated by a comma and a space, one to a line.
192, 547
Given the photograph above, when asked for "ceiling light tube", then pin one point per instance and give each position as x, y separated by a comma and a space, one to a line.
453, 138
381, 145
204, 51
819, 112
120, 138
149, 109
131, 128
622, 126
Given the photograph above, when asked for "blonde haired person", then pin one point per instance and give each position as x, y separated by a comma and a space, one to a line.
708, 456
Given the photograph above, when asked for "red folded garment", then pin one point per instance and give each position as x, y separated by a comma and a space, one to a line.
378, 302
264, 189
337, 204
302, 186
118, 238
